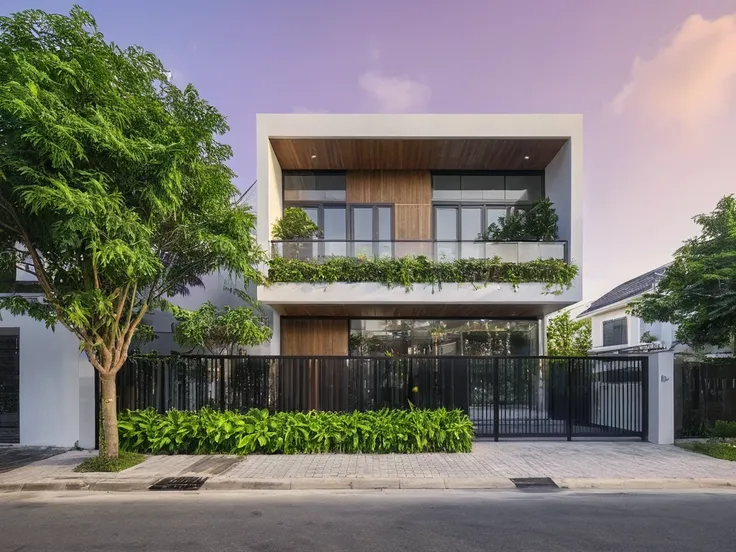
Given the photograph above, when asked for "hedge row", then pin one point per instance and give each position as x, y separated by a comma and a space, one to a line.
258, 431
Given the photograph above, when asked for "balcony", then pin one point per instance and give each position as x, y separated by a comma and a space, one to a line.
441, 251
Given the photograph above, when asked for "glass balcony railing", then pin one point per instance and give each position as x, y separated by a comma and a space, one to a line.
510, 252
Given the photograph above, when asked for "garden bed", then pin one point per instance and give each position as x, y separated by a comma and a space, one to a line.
258, 431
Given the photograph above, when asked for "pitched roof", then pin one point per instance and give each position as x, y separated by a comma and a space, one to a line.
632, 288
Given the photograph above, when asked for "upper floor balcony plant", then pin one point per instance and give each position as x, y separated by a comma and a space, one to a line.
520, 248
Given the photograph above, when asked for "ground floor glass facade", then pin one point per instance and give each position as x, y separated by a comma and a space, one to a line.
451, 337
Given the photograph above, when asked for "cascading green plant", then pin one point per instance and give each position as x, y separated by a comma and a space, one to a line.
556, 274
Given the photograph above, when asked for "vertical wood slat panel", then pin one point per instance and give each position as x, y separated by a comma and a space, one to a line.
409, 191
314, 337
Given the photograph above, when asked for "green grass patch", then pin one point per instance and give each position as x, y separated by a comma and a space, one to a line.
124, 461
725, 450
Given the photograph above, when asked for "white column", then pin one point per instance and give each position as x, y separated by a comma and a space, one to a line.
662, 398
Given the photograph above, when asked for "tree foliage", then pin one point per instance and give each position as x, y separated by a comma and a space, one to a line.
295, 225
220, 331
698, 290
568, 337
114, 189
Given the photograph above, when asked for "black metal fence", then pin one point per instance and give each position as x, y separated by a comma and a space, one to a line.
705, 392
504, 396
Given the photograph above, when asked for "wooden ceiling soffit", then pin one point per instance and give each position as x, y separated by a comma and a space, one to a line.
416, 154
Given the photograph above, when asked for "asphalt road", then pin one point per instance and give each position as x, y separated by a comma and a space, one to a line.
428, 521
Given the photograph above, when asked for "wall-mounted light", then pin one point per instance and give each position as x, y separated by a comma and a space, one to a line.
314, 156
526, 157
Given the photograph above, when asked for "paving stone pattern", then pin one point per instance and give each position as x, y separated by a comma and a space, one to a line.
559, 460
503, 459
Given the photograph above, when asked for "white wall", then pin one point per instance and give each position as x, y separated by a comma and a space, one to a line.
341, 293
56, 385
662, 398
563, 186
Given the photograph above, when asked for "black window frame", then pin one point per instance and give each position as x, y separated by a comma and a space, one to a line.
540, 173
483, 204
623, 333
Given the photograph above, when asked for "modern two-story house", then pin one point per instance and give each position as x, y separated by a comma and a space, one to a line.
405, 263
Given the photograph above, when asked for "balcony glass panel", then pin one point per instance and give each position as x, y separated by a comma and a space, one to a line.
443, 251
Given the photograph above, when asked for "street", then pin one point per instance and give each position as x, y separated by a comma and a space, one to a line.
425, 521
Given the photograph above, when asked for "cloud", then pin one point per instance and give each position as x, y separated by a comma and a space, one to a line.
691, 78
394, 94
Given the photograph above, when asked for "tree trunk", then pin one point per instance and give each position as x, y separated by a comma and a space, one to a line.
109, 416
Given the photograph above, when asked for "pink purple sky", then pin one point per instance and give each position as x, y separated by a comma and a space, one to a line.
654, 79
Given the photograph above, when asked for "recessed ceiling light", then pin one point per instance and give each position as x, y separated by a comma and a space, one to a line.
525, 157
314, 156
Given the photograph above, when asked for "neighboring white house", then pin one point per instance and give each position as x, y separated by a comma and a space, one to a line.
614, 330
47, 395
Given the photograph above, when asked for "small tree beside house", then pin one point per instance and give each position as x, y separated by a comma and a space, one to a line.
568, 337
114, 191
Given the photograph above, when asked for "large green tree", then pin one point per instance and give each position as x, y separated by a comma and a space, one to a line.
698, 290
568, 337
114, 189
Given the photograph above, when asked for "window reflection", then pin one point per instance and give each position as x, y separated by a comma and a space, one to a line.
443, 337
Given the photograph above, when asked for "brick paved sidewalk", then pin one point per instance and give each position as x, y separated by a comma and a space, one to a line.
490, 465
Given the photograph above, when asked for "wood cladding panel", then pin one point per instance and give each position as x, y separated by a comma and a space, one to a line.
413, 222
412, 187
316, 337
472, 310
413, 154
410, 192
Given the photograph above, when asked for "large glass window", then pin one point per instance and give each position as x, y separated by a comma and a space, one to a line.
488, 187
314, 186
615, 332
443, 337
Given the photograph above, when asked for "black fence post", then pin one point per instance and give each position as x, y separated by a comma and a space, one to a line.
496, 400
222, 384
569, 399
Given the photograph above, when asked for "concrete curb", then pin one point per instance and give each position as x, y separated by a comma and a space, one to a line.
641, 484
357, 483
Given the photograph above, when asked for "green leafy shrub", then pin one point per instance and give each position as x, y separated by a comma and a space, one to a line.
724, 430
407, 271
258, 431
724, 450
538, 223
295, 224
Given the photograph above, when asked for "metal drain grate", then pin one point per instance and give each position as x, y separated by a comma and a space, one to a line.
534, 483
178, 484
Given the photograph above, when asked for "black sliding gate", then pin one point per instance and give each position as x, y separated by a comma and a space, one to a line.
504, 396
9, 389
